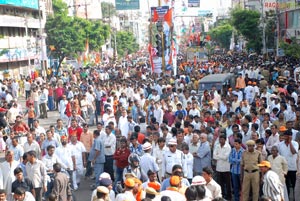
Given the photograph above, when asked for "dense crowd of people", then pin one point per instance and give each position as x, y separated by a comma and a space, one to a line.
155, 137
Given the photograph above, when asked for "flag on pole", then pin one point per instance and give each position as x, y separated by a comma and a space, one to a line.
155, 16
150, 49
86, 53
172, 53
168, 17
98, 58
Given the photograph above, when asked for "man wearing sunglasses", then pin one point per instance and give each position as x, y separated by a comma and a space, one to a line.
172, 157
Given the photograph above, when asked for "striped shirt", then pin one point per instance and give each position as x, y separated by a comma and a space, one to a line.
235, 158
272, 187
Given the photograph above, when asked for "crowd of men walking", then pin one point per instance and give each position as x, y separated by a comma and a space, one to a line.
155, 137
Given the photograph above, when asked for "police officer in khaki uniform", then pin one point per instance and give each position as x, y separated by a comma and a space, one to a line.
250, 171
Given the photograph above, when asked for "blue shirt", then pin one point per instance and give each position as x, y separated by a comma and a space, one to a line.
97, 146
47, 142
203, 158
184, 113
138, 150
62, 131
23, 167
235, 158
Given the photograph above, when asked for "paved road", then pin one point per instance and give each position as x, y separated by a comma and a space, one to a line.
83, 193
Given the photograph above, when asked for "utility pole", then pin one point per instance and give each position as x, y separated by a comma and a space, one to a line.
277, 29
41, 40
264, 27
28, 43
76, 6
85, 9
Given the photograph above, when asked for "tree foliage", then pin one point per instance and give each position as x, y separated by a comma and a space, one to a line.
292, 49
222, 34
270, 19
108, 10
68, 35
247, 23
126, 42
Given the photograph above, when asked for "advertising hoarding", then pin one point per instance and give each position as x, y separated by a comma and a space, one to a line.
127, 4
193, 3
33, 4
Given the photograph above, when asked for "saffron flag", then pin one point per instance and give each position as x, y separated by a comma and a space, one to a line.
98, 58
86, 53
150, 49
168, 17
155, 16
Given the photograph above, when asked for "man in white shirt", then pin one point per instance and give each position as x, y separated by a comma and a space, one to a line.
84, 107
38, 129
147, 161
158, 113
211, 184
66, 153
280, 166
194, 111
289, 149
249, 92
21, 195
273, 139
36, 171
90, 95
123, 124
7, 171
109, 142
172, 157
27, 87
14, 88
108, 116
79, 153
50, 159
239, 93
43, 99
32, 145
221, 155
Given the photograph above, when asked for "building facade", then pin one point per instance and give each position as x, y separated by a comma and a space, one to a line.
22, 40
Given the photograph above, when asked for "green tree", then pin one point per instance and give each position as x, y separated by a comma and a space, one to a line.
126, 43
68, 34
210, 48
222, 34
292, 49
108, 10
270, 29
247, 23
98, 34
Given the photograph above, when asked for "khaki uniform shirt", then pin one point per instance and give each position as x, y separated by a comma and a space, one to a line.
250, 160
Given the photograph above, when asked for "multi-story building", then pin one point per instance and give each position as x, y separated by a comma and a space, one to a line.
22, 41
137, 23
